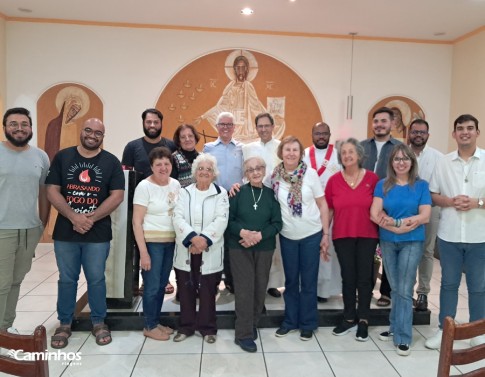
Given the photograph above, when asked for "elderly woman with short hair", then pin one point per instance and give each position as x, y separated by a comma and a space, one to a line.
349, 194
200, 219
254, 222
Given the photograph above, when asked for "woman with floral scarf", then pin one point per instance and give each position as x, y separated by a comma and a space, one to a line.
304, 236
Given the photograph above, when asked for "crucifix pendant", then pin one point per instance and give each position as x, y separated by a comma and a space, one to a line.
255, 206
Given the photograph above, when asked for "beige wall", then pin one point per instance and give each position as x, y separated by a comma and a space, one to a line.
468, 83
128, 68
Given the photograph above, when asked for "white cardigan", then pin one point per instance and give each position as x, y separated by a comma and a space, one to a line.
215, 213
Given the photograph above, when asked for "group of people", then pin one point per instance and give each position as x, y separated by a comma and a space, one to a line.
331, 206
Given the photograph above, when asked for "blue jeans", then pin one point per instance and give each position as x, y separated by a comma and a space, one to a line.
70, 257
401, 260
155, 280
300, 262
453, 257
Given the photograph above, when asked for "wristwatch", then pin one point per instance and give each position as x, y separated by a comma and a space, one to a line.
480, 202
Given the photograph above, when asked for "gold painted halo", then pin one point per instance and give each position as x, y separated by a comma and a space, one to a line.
73, 93
405, 110
253, 64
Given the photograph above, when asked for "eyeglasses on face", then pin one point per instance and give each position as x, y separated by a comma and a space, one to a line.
258, 169
15, 125
321, 133
418, 132
225, 125
201, 168
90, 131
264, 126
401, 159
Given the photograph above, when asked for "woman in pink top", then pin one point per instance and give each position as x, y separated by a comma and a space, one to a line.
349, 195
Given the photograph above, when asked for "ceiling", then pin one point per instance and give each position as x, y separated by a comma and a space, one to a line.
397, 19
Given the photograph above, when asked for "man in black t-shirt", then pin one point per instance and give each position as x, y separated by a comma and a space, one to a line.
135, 154
85, 184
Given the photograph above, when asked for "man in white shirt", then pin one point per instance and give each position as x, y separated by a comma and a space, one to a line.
458, 187
266, 148
322, 157
427, 159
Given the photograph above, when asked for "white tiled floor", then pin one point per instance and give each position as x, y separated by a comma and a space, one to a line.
131, 354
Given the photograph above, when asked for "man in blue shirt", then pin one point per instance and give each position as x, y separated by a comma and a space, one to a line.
228, 153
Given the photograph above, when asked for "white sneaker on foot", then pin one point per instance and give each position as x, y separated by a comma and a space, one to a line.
476, 341
13, 330
434, 343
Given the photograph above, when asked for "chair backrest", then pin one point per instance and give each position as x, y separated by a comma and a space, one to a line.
28, 343
448, 356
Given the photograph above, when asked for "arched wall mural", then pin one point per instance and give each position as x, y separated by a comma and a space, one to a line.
405, 111
245, 83
61, 112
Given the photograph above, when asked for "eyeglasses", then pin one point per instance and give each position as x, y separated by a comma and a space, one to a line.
15, 125
201, 168
401, 159
417, 132
90, 131
258, 169
225, 125
321, 133
264, 126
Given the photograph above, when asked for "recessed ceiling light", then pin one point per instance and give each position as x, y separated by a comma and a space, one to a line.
247, 11
25, 10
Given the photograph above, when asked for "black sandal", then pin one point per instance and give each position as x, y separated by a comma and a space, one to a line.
62, 340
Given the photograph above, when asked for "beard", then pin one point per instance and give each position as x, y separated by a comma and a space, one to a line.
18, 143
90, 147
152, 134
321, 146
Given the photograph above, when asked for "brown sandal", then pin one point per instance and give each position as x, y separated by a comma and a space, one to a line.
383, 301
100, 332
62, 340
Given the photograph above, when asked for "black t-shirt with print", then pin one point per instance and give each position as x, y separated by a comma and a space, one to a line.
85, 183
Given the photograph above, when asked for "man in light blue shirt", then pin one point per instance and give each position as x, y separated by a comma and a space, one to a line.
228, 153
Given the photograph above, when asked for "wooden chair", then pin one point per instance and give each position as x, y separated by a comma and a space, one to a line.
448, 356
28, 343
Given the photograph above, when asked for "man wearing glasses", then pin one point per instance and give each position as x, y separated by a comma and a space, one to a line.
377, 152
85, 184
23, 169
228, 153
322, 157
427, 159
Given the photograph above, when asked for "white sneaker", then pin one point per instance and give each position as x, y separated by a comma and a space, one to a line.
434, 343
13, 330
476, 341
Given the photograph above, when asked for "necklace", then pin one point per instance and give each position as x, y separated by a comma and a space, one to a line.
468, 172
350, 181
255, 205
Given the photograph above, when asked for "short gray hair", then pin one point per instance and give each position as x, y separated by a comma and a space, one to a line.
205, 157
225, 114
259, 159
358, 148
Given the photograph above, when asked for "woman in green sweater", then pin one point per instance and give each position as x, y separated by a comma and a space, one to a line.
254, 222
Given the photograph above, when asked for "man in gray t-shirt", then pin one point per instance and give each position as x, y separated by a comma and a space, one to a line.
24, 208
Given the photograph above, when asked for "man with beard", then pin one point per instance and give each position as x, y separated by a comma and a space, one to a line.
427, 159
85, 184
377, 152
322, 157
23, 169
135, 154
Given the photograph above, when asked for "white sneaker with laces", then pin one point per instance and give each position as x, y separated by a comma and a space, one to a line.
476, 341
434, 343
